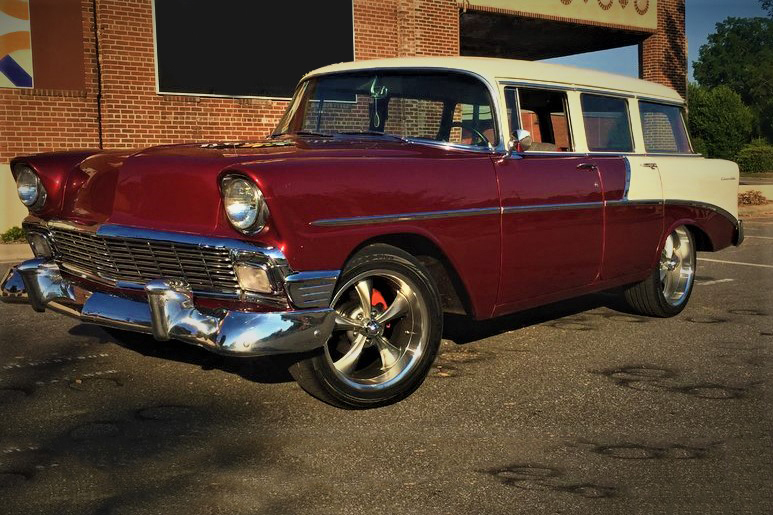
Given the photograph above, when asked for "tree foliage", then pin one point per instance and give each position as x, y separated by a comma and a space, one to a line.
740, 55
756, 157
720, 123
768, 6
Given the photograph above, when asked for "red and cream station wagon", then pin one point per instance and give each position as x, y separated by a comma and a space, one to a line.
391, 191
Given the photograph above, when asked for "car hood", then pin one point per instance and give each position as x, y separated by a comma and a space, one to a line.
176, 187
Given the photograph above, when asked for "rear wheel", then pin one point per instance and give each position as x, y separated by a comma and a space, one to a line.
388, 329
666, 292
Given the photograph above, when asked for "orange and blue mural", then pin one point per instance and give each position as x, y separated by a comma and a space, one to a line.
15, 44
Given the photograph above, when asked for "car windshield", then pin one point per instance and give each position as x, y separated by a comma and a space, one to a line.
418, 105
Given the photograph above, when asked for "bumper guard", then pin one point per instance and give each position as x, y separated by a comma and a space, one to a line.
169, 313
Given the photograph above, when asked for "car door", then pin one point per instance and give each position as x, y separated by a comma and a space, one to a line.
552, 206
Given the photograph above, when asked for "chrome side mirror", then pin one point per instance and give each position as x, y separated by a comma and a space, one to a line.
520, 142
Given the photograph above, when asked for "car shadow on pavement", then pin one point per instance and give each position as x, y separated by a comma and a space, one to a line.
266, 370
462, 329
108, 449
459, 329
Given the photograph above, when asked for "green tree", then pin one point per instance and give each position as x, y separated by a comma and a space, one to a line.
720, 123
768, 6
740, 55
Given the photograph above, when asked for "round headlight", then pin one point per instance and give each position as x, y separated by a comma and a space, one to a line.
244, 204
28, 186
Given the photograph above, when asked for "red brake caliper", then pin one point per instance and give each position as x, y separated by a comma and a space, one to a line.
378, 301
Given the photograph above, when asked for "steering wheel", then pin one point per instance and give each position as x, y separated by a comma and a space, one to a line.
481, 139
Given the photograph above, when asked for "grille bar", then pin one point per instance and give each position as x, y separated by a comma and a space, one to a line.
206, 269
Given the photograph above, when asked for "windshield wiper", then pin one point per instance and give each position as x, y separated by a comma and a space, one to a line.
303, 133
372, 133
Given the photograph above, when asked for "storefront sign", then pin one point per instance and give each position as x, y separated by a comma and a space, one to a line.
631, 14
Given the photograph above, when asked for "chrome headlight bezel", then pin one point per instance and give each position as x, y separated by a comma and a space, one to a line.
26, 177
243, 203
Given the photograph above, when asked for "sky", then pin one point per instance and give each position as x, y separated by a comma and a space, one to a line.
701, 20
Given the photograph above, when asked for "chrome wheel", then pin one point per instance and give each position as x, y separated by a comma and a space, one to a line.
677, 266
381, 330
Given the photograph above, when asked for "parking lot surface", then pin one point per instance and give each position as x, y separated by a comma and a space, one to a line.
577, 407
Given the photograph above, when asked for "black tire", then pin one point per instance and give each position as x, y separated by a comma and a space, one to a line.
319, 376
648, 297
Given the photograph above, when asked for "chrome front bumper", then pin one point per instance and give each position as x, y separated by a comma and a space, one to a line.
169, 313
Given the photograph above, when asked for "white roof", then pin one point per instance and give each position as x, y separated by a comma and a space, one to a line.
495, 70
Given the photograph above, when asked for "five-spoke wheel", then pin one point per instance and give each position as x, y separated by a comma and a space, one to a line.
677, 266
388, 323
666, 291
381, 329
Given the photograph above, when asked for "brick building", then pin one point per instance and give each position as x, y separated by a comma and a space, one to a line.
110, 73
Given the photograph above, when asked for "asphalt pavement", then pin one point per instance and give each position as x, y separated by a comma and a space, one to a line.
577, 407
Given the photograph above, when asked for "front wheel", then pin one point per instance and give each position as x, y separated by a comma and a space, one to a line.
388, 328
666, 292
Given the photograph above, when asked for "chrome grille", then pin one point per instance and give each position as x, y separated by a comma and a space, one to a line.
206, 269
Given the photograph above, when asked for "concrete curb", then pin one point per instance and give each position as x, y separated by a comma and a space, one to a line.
11, 252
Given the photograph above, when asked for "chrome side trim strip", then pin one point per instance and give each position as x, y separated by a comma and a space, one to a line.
635, 202
434, 215
703, 205
552, 207
405, 217
674, 202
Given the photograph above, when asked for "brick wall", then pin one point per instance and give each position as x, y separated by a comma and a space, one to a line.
133, 115
38, 120
663, 56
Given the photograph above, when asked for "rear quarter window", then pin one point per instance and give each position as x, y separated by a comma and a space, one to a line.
607, 124
664, 129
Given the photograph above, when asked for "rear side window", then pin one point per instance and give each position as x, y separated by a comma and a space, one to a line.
664, 130
607, 125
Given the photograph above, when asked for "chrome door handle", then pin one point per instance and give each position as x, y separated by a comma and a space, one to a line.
651, 166
587, 166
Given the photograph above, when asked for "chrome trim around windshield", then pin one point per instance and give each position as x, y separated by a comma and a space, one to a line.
405, 217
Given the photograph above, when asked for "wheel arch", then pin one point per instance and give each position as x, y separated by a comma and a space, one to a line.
702, 239
453, 293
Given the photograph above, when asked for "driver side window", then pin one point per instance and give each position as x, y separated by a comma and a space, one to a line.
544, 114
473, 124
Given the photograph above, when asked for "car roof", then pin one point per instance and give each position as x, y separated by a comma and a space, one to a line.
495, 70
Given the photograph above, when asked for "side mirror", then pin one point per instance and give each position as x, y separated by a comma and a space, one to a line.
520, 142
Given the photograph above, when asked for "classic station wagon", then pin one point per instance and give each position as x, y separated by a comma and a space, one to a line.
390, 192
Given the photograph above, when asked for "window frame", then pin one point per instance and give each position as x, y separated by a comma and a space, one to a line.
515, 88
682, 112
631, 134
